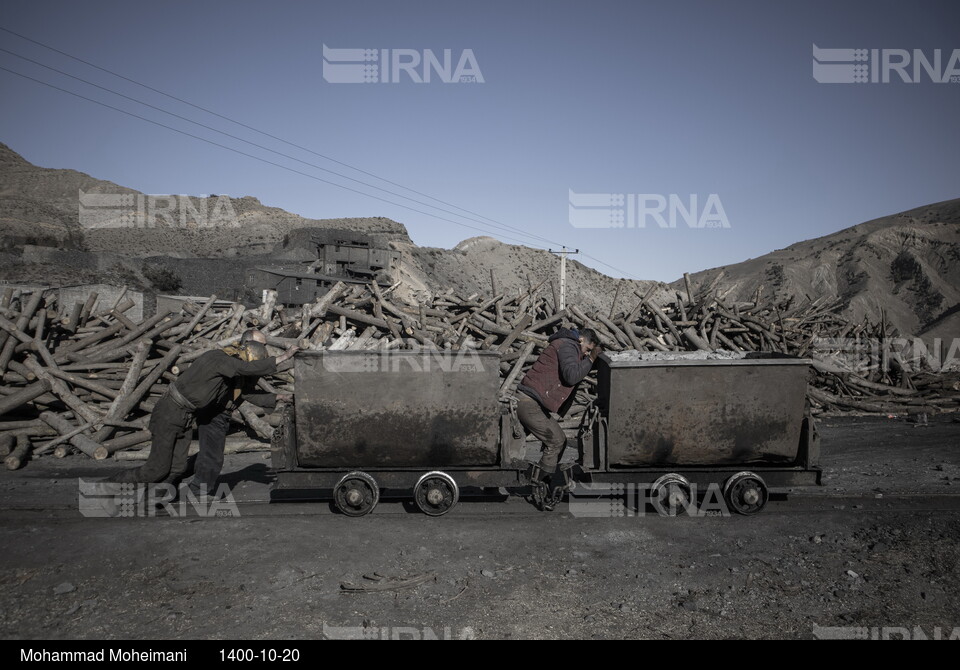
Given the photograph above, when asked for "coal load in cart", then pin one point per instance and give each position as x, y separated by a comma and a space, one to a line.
430, 423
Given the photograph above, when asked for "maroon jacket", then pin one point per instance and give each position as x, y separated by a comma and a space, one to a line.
557, 371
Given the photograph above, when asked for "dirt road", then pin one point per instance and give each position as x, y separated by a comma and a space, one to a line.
872, 552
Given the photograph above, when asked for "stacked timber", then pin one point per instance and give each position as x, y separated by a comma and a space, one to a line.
84, 377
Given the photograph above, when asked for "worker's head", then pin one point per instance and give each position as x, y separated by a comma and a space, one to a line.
253, 351
253, 335
588, 340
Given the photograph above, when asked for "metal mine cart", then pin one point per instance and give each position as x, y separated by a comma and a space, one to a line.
431, 423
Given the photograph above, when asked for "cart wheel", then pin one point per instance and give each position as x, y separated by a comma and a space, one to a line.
745, 493
670, 494
436, 493
356, 494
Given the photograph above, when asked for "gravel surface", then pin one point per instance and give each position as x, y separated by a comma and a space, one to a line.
874, 549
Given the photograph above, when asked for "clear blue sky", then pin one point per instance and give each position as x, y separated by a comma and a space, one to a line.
604, 97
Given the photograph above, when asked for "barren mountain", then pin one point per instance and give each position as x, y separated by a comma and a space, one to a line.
42, 206
40, 211
39, 205
468, 266
908, 264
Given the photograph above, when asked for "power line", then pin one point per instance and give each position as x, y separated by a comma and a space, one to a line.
259, 146
615, 269
243, 153
494, 223
266, 134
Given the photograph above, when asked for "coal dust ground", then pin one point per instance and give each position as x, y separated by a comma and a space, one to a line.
874, 551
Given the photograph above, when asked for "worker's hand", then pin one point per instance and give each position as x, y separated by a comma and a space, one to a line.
288, 354
595, 353
284, 397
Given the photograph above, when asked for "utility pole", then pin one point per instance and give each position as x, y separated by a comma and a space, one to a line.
563, 253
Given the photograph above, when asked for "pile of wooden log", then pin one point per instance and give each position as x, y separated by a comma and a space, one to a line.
864, 367
84, 377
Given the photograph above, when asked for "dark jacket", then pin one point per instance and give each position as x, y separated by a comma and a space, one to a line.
557, 372
209, 382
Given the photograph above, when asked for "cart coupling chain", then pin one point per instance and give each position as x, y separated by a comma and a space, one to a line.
545, 497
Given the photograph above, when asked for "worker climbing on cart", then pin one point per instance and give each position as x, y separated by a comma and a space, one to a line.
212, 384
548, 387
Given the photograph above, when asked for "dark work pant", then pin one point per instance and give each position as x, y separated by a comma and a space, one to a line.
172, 429
536, 420
212, 430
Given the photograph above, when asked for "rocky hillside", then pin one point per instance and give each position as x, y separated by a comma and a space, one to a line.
907, 263
468, 266
41, 206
